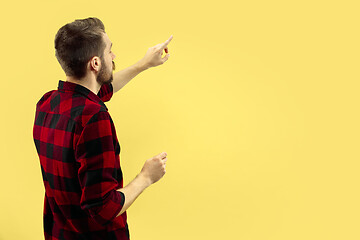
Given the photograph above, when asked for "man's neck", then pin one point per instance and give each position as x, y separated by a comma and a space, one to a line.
88, 82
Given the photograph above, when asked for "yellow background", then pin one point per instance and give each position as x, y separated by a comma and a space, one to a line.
257, 108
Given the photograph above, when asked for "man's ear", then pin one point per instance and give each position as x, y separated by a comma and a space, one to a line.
95, 64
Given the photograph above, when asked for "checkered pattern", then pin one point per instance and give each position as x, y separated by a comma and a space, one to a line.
79, 151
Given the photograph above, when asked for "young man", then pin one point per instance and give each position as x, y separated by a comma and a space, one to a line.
76, 139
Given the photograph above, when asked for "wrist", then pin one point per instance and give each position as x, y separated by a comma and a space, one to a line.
145, 181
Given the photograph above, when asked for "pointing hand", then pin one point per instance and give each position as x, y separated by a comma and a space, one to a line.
153, 58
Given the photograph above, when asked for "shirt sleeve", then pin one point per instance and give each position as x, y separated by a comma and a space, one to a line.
106, 91
97, 172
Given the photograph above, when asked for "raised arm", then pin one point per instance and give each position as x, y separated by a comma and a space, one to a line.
121, 78
152, 58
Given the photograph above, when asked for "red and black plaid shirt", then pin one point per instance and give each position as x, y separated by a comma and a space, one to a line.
79, 151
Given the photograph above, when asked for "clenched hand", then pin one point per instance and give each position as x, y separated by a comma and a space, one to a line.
154, 168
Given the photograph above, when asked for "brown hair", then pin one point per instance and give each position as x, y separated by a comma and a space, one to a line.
77, 42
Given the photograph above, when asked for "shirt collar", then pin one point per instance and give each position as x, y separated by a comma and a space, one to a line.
73, 87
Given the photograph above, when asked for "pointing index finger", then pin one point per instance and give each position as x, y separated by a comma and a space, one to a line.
167, 42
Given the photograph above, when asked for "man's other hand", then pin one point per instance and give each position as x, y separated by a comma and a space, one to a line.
154, 168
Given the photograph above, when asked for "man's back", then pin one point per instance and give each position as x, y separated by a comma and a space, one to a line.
79, 155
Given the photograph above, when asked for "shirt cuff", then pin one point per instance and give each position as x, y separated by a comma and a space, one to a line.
114, 203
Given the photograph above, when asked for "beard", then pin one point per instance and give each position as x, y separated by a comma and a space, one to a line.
105, 75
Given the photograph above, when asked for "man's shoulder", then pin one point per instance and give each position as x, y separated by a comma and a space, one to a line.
45, 97
73, 105
94, 112
82, 112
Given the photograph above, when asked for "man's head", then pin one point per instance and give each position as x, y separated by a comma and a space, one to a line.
82, 46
